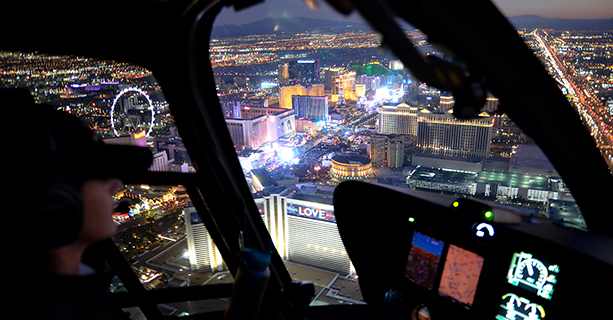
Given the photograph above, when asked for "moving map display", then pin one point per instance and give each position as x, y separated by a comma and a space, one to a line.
423, 260
461, 275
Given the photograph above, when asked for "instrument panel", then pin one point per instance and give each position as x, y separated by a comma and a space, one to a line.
450, 258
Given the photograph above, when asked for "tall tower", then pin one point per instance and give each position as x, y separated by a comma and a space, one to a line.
330, 76
378, 153
492, 103
387, 151
203, 254
447, 101
303, 71
341, 96
395, 152
286, 93
312, 107
231, 108
283, 77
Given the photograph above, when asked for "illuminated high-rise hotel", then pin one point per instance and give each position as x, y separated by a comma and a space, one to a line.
261, 125
203, 254
330, 79
492, 103
314, 108
395, 153
303, 229
378, 149
303, 71
443, 134
283, 77
387, 151
286, 93
447, 101
399, 119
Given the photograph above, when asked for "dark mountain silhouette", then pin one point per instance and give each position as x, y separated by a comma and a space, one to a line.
298, 25
284, 25
533, 21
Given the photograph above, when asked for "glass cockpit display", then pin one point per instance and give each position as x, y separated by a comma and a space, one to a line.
514, 307
533, 274
460, 275
423, 260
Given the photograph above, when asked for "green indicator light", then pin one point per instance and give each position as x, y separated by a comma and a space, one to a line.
411, 219
488, 215
456, 204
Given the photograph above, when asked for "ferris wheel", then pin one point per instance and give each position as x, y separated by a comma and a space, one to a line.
127, 123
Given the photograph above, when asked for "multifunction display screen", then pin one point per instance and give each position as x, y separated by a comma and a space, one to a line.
533, 274
423, 260
460, 275
514, 307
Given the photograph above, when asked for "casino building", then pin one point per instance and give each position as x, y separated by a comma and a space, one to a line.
302, 226
260, 125
351, 166
303, 229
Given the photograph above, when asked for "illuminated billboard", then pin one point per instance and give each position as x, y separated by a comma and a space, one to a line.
310, 212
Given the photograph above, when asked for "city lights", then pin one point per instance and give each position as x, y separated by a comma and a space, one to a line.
286, 154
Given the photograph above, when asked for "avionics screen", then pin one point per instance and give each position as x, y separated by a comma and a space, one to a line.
533, 274
514, 307
423, 260
460, 275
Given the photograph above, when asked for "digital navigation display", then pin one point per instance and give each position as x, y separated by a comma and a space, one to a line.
514, 307
423, 260
532, 274
460, 275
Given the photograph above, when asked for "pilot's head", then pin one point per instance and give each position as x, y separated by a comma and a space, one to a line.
64, 176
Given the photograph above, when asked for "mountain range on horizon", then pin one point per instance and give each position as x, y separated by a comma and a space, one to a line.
529, 21
299, 24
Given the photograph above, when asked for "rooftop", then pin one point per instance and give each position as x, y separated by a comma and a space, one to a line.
517, 180
442, 175
319, 198
264, 177
346, 158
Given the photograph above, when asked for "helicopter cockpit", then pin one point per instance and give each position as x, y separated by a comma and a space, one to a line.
240, 166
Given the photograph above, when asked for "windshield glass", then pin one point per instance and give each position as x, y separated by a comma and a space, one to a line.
156, 224
311, 99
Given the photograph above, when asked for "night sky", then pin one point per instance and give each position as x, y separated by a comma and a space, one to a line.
568, 9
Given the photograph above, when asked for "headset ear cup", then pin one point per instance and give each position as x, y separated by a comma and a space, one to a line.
59, 211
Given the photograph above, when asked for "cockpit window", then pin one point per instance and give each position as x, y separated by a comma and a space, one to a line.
159, 233
311, 99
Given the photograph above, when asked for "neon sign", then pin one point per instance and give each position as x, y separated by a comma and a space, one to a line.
140, 134
310, 212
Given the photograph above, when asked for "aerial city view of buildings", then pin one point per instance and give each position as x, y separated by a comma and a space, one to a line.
306, 112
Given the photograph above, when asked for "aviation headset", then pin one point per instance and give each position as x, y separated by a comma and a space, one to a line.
51, 201
57, 204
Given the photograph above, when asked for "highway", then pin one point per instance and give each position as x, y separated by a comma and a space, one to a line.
595, 116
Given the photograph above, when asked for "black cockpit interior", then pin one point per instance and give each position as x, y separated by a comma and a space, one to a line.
417, 255
458, 259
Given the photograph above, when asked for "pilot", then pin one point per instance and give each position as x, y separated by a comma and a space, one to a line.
62, 178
